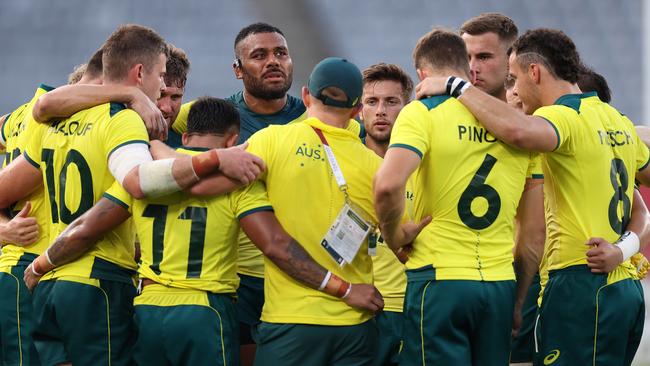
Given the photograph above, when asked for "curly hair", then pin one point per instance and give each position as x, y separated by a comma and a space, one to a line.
552, 48
178, 65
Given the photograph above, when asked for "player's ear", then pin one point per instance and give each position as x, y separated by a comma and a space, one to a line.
305, 96
534, 72
136, 73
421, 74
185, 138
237, 69
231, 138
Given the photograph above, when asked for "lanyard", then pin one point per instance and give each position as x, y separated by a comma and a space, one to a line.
336, 169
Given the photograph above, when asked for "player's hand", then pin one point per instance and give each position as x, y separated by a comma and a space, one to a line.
21, 230
150, 114
603, 257
236, 163
403, 253
432, 85
31, 279
366, 297
412, 229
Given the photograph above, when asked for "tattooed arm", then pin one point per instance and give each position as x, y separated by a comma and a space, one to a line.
285, 252
77, 238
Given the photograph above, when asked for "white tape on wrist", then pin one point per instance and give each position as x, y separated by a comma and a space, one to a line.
629, 244
156, 178
325, 281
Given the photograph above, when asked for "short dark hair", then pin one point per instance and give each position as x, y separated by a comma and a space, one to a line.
209, 115
255, 28
178, 65
441, 48
383, 71
551, 48
497, 23
131, 44
590, 81
95, 66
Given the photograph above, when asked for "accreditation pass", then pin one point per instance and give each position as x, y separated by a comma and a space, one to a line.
344, 238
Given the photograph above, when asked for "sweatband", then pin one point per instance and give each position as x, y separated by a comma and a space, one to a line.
205, 163
456, 86
629, 244
325, 281
156, 178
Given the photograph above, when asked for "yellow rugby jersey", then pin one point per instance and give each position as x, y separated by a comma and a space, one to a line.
73, 156
306, 200
597, 156
191, 242
469, 182
18, 128
180, 123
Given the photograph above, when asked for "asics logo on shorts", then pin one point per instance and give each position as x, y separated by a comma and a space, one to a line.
552, 357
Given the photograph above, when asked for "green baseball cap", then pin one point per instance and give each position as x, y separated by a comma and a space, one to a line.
340, 73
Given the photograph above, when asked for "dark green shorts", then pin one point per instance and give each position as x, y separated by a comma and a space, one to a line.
316, 345
585, 321
456, 322
523, 345
389, 325
188, 334
16, 320
250, 300
84, 324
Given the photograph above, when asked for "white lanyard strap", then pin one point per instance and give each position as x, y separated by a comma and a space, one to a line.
336, 169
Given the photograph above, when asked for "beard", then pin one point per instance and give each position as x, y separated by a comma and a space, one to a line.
379, 137
255, 86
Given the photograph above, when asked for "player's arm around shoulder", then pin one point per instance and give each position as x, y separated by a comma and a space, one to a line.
505, 122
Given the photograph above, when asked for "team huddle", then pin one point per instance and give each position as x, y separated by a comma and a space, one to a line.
492, 220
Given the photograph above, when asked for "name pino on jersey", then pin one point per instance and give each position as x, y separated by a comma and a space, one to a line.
475, 134
71, 128
615, 138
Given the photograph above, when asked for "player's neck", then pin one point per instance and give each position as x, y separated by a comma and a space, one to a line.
329, 118
554, 90
264, 106
378, 147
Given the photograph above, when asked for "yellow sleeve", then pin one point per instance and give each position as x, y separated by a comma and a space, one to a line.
251, 199
125, 127
180, 124
119, 195
642, 153
557, 116
261, 144
409, 131
535, 167
32, 150
5, 129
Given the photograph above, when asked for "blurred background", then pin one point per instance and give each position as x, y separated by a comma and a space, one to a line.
42, 41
